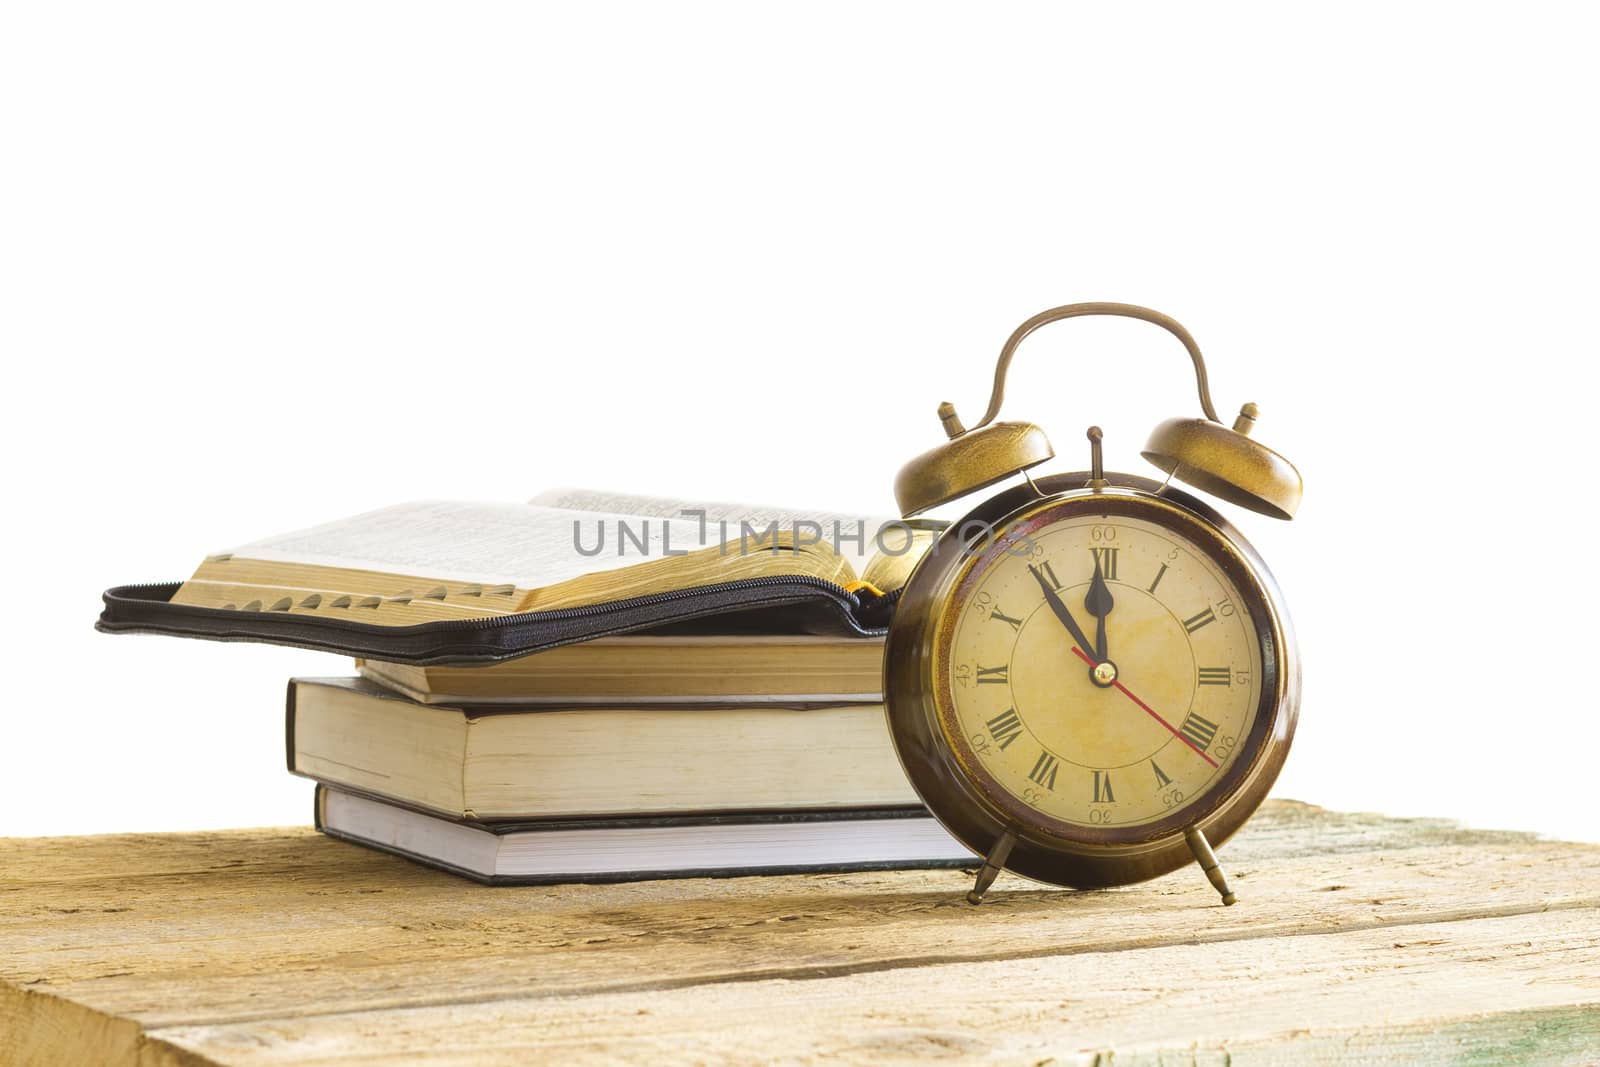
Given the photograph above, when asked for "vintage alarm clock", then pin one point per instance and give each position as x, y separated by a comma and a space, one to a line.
1091, 678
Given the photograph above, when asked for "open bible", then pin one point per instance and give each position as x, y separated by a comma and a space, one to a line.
449, 582
438, 560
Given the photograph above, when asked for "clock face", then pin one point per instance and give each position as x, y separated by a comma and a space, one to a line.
1100, 673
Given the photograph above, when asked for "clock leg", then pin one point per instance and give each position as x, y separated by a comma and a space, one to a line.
993, 863
1207, 860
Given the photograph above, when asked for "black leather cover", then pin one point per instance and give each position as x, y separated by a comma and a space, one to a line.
755, 605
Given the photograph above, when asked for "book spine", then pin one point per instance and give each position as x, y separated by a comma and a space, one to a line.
288, 724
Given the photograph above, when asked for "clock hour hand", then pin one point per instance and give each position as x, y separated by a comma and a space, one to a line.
1098, 602
1060, 609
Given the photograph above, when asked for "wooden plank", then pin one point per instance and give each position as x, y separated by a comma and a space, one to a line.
222, 933
1523, 989
352, 926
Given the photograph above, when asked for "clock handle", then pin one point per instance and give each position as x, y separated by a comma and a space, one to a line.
1204, 453
1097, 307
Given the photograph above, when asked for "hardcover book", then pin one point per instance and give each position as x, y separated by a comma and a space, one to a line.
736, 668
637, 849
500, 763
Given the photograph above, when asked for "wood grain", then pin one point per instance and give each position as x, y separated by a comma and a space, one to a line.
1389, 939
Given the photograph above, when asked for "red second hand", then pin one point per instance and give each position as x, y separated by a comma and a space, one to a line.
1076, 651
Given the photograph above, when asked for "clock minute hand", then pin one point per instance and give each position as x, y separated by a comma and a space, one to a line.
1061, 611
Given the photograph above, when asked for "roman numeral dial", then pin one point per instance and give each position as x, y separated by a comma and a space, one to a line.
1160, 574
1044, 771
1005, 728
1199, 730
1103, 793
1046, 573
994, 675
999, 616
1125, 715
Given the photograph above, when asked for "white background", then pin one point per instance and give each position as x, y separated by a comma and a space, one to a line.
266, 265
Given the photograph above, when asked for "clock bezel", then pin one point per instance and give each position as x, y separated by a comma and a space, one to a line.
964, 582
1047, 849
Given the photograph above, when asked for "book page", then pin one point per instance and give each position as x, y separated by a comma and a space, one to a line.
447, 540
855, 537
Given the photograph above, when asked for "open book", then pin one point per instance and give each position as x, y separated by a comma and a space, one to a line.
447, 560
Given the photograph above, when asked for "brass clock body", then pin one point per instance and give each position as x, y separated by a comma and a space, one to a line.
1086, 767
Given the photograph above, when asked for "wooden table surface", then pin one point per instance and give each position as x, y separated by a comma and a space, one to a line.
1357, 938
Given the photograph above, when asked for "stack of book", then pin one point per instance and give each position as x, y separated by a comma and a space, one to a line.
730, 743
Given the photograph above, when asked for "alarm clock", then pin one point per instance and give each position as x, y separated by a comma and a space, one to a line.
1091, 678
